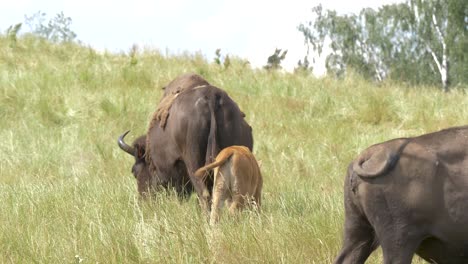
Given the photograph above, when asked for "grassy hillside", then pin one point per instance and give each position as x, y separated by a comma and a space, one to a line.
67, 194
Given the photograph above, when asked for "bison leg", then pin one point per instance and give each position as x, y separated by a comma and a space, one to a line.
359, 237
402, 257
358, 242
398, 245
200, 187
184, 186
398, 232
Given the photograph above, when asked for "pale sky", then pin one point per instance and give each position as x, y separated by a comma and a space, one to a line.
250, 29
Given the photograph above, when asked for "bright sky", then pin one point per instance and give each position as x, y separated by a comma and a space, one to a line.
250, 29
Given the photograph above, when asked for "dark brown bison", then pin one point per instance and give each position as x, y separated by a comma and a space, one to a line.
193, 122
409, 195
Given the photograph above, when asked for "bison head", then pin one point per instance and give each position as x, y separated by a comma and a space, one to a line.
140, 169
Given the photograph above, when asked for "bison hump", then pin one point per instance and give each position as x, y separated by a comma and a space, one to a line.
379, 159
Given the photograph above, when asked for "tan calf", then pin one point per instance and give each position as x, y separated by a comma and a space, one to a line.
237, 179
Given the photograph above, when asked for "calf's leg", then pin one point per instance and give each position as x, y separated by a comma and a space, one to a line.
220, 193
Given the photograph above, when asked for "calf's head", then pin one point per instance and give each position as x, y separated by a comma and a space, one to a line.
140, 169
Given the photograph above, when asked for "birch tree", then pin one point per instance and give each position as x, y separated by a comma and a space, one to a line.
419, 41
431, 25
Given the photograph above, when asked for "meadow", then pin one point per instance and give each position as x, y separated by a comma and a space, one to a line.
67, 194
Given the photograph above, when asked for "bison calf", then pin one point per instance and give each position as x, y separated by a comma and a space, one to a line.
237, 179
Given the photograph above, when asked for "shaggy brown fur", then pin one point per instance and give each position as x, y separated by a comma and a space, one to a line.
162, 112
237, 178
171, 91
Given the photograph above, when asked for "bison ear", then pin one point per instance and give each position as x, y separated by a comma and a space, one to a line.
140, 152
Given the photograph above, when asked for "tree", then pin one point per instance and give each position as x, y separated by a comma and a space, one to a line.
355, 41
274, 61
58, 29
303, 66
430, 21
415, 41
218, 60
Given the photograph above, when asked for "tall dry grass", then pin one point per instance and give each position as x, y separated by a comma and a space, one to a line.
67, 194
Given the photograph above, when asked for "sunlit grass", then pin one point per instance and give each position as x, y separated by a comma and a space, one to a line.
67, 193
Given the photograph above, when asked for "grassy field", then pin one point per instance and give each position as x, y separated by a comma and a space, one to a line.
67, 194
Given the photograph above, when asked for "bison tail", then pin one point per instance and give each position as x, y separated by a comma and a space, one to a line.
212, 146
378, 159
373, 166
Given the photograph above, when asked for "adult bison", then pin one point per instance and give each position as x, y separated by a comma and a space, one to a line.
193, 122
409, 195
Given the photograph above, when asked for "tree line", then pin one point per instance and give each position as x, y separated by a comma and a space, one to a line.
417, 41
56, 29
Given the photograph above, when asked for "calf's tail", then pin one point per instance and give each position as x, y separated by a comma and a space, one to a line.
201, 172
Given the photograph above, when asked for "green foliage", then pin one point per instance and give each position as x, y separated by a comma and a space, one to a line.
12, 32
57, 29
419, 42
274, 61
67, 193
133, 55
457, 39
226, 62
217, 59
303, 66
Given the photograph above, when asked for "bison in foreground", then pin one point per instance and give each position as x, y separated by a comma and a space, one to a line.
237, 179
193, 122
409, 195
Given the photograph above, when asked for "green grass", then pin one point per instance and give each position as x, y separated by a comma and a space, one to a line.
67, 194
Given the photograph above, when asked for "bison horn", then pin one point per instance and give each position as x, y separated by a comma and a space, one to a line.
130, 150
